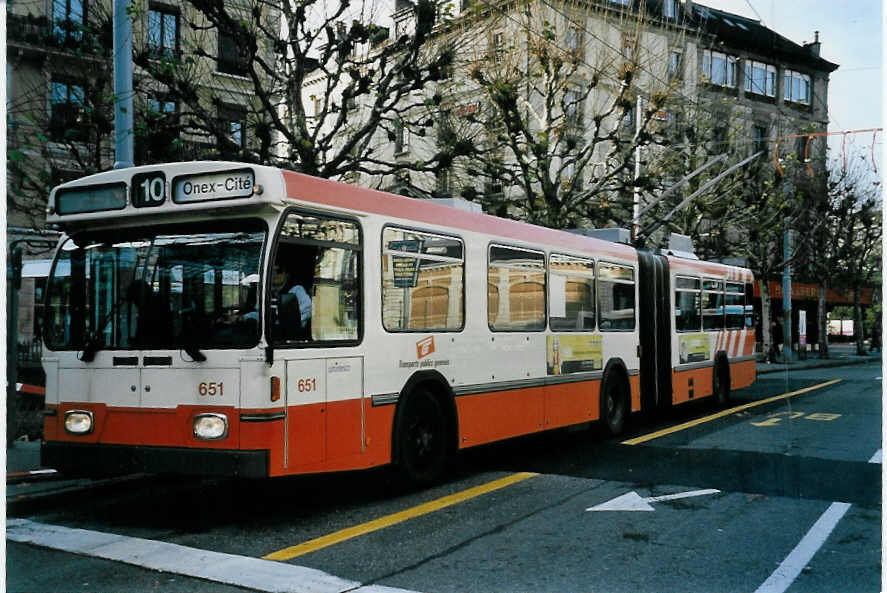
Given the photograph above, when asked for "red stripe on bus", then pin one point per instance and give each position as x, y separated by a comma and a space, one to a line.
329, 193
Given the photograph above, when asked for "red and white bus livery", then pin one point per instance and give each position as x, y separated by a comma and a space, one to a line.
230, 319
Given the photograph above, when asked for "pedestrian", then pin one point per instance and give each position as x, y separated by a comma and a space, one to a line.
876, 338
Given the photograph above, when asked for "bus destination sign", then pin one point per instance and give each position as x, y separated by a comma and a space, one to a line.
224, 185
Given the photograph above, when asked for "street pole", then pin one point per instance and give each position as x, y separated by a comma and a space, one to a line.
13, 284
123, 109
635, 215
787, 292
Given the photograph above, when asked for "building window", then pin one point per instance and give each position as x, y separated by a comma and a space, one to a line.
161, 106
797, 87
68, 18
670, 9
401, 137
233, 123
675, 65
497, 46
66, 110
163, 33
573, 108
233, 59
719, 69
621, 2
629, 46
573, 39
760, 78
759, 137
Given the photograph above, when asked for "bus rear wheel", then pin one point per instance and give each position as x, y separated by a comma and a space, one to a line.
614, 404
421, 439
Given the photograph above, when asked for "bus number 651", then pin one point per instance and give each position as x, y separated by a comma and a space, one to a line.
211, 388
304, 385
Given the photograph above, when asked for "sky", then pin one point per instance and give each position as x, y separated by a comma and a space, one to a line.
851, 36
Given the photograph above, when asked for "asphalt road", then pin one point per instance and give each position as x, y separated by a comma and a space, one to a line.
782, 496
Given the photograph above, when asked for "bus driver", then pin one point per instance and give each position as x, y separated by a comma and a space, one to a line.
293, 318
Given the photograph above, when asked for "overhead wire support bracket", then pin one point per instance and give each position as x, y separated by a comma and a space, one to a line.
811, 135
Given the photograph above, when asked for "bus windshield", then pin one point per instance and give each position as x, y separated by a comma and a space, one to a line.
191, 286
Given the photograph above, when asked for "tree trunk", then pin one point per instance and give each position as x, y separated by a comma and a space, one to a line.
766, 337
858, 329
822, 321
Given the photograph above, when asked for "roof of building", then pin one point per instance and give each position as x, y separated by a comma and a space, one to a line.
738, 31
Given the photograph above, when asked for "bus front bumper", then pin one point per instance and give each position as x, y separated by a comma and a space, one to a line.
88, 459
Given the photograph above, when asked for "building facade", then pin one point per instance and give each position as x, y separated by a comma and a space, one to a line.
59, 82
751, 85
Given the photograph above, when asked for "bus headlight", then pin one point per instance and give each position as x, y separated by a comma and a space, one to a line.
78, 422
210, 427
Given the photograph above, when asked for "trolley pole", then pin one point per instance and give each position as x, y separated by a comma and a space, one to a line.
123, 109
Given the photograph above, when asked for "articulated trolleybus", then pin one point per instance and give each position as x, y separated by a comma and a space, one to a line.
230, 319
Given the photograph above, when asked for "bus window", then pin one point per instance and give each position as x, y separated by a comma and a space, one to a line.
162, 287
687, 302
422, 281
712, 305
616, 297
571, 293
735, 301
314, 281
515, 289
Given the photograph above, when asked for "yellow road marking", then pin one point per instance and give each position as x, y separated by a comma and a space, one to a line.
697, 422
395, 518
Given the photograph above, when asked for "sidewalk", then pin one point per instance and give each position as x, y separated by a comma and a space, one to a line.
28, 484
840, 354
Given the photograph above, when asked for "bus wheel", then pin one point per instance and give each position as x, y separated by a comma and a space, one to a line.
421, 438
721, 387
614, 404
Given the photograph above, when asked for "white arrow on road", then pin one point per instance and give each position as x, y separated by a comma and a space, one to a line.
633, 501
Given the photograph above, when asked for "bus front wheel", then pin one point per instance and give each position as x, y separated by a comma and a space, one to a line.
421, 438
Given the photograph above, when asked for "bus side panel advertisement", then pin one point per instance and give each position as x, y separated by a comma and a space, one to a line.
574, 354
694, 348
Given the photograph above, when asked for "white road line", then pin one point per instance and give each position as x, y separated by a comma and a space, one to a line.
240, 571
791, 567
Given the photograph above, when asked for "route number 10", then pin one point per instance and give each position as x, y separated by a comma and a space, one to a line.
148, 189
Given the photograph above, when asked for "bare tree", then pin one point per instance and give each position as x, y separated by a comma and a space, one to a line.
552, 125
313, 82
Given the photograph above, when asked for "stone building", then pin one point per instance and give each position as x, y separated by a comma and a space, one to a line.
60, 110
753, 84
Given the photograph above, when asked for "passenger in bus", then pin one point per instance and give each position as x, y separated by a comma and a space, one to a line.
293, 306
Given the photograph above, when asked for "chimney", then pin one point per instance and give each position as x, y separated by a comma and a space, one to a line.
815, 46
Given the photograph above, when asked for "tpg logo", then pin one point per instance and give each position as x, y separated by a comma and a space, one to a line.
424, 347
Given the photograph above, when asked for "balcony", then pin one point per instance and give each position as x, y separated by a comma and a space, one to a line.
37, 33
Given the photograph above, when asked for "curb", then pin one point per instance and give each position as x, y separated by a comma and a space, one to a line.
22, 504
764, 369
